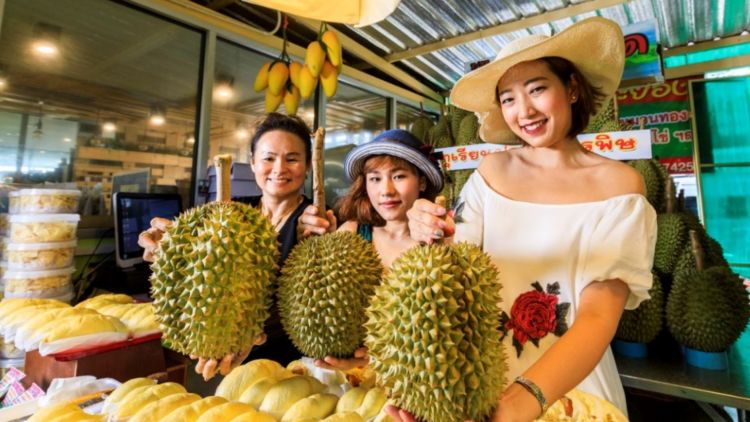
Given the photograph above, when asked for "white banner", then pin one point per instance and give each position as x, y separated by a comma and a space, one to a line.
627, 145
468, 156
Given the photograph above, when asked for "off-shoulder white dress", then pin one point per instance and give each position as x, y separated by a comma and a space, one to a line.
547, 254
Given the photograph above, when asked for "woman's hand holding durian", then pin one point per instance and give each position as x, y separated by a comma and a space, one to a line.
359, 360
429, 222
149, 240
208, 367
310, 223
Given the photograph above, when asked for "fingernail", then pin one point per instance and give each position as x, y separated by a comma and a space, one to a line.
441, 210
439, 233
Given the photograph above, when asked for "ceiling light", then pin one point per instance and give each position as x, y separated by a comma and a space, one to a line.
109, 127
66, 139
224, 88
242, 133
157, 116
46, 40
3, 82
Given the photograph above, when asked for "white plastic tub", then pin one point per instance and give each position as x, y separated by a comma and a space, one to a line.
44, 201
39, 284
43, 228
40, 256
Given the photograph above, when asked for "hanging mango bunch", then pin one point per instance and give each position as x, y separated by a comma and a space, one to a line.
287, 80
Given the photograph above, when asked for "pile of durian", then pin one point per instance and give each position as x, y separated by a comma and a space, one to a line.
703, 302
53, 326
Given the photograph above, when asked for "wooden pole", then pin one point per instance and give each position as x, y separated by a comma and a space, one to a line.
223, 165
319, 193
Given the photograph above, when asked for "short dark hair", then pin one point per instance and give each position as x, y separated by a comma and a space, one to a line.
590, 97
289, 124
356, 205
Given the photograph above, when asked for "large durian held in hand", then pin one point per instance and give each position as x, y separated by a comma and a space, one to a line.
707, 309
212, 275
432, 333
326, 284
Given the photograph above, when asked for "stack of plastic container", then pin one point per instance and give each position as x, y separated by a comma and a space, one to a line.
41, 243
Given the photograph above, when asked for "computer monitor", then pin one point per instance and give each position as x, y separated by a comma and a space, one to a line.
136, 181
133, 213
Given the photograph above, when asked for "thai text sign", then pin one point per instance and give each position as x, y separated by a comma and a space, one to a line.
665, 110
468, 156
627, 145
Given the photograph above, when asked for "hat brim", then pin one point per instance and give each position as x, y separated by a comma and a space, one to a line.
595, 46
355, 160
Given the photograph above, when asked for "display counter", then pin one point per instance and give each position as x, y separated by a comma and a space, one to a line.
672, 376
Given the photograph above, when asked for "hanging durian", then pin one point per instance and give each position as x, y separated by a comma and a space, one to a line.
605, 120
441, 133
212, 275
421, 126
707, 309
326, 283
468, 131
432, 333
457, 114
643, 324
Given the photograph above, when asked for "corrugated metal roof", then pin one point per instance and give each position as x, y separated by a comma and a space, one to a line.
419, 22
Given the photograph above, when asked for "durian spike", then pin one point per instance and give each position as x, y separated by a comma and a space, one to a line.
697, 250
319, 193
669, 197
223, 164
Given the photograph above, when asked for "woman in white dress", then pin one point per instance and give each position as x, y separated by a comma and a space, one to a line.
570, 231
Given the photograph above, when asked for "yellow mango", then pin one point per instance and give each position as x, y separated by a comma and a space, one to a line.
291, 101
277, 77
333, 47
261, 79
314, 58
294, 70
329, 79
307, 82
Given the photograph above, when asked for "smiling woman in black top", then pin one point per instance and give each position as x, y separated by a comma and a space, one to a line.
281, 155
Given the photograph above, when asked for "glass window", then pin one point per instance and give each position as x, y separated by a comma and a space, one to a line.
93, 88
406, 114
237, 108
353, 117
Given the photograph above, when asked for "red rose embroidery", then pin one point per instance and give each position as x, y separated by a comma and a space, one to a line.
535, 314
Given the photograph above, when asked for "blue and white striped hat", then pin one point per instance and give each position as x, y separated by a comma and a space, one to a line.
402, 144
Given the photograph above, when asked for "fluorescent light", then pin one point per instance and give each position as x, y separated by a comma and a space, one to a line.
223, 92
3, 82
157, 120
242, 133
66, 139
44, 49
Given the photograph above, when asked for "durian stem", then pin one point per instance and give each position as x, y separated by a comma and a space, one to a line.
697, 250
669, 196
223, 165
681, 200
319, 193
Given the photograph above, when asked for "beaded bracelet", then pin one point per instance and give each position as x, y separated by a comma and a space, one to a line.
534, 390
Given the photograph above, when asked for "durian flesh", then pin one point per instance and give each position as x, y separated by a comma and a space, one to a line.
212, 279
433, 333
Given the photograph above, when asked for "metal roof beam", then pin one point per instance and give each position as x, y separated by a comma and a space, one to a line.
376, 60
523, 23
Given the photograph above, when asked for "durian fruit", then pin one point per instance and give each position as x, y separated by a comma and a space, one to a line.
83, 325
285, 393
441, 133
225, 412
372, 403
255, 393
123, 390
351, 400
656, 178
433, 333
323, 292
671, 235
326, 283
460, 177
468, 131
714, 254
193, 411
141, 397
242, 377
457, 115
316, 406
606, 120
643, 324
33, 330
707, 309
213, 275
55, 411
163, 407
420, 126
